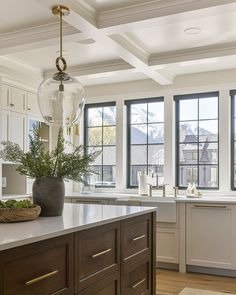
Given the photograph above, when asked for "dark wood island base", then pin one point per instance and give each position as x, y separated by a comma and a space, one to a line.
113, 259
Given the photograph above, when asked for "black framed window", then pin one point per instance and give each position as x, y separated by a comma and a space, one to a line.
145, 138
233, 139
100, 135
197, 140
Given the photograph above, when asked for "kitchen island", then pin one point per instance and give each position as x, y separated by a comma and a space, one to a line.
90, 250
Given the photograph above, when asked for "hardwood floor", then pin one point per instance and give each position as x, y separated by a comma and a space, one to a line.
172, 282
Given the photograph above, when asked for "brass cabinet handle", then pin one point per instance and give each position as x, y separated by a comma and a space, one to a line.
209, 206
138, 283
138, 238
43, 277
101, 253
12, 104
28, 109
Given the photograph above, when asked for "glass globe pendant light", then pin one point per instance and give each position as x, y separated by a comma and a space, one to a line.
61, 97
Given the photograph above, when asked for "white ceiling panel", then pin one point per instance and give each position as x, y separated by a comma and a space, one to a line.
21, 14
103, 5
213, 30
75, 54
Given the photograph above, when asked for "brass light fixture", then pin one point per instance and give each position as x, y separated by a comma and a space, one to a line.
61, 97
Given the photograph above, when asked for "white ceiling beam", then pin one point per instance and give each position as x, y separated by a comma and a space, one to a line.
130, 56
197, 53
37, 37
95, 68
154, 13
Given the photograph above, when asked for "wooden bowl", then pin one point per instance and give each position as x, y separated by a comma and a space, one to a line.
19, 214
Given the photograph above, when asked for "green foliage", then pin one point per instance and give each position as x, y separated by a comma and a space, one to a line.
37, 162
16, 204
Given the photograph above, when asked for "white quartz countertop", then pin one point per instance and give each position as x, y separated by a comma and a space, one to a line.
76, 217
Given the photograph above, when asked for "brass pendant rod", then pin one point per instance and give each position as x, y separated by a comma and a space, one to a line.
61, 33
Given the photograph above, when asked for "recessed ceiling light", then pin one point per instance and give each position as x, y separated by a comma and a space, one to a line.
192, 31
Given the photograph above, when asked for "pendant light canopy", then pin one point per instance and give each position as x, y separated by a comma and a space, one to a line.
61, 97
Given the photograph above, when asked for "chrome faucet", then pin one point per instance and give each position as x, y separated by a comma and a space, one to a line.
176, 189
164, 189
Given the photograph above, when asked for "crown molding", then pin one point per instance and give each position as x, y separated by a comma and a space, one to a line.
196, 53
94, 68
143, 15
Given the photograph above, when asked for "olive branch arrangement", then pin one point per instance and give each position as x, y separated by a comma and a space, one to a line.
38, 162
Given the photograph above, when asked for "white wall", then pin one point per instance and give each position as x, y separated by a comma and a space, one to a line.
222, 81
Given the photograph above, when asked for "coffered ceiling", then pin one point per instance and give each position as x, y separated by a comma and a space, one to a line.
109, 41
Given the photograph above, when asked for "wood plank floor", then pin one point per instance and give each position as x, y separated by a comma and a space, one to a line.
172, 282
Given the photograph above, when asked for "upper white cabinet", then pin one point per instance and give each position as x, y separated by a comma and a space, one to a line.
211, 235
32, 103
13, 98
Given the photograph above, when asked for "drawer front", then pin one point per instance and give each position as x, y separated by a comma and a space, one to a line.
43, 268
136, 235
137, 281
97, 254
108, 286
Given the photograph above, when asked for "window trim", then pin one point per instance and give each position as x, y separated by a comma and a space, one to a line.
128, 104
232, 130
177, 99
86, 108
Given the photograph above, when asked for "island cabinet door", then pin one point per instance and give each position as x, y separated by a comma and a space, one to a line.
108, 286
97, 255
138, 255
42, 268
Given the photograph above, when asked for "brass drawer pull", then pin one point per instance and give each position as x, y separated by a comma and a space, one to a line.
12, 104
209, 206
139, 283
43, 277
101, 253
138, 238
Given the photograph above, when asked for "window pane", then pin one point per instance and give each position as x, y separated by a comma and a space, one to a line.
98, 160
208, 176
160, 171
188, 131
156, 155
208, 130
208, 153
94, 136
208, 108
139, 134
187, 174
234, 128
94, 117
156, 112
134, 174
188, 153
96, 177
109, 155
109, 175
139, 155
101, 136
156, 133
109, 116
109, 135
234, 177
188, 109
138, 113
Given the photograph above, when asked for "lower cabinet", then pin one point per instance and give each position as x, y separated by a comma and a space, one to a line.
42, 268
211, 235
113, 259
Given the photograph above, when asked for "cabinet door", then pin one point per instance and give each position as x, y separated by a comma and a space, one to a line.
5, 117
6, 94
17, 128
32, 103
211, 235
167, 245
17, 99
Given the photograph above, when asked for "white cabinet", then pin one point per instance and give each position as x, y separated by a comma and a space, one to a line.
32, 104
13, 127
13, 98
17, 128
167, 245
211, 235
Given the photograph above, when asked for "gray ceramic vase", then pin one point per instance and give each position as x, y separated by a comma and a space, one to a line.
49, 194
